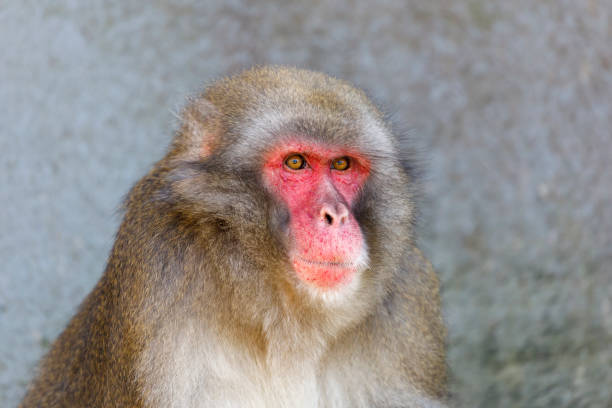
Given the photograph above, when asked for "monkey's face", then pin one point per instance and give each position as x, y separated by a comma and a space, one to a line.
302, 172
319, 185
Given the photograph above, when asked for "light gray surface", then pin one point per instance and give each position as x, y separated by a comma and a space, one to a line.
511, 102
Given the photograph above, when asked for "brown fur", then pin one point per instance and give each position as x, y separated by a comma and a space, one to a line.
202, 241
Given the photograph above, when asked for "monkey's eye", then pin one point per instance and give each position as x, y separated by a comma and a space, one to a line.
295, 162
341, 163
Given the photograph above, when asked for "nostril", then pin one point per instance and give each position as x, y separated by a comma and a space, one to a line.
329, 219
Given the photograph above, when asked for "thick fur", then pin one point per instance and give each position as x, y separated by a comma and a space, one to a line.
198, 305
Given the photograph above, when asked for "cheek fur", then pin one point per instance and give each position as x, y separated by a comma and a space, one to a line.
279, 221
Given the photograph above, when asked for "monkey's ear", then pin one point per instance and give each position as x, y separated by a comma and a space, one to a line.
200, 130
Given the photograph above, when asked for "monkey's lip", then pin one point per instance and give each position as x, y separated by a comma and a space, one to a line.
327, 264
323, 274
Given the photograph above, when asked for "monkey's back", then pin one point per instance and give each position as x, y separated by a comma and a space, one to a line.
89, 363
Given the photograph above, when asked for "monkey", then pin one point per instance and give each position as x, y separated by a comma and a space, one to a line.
269, 259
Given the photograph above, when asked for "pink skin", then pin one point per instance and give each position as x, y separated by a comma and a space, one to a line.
326, 238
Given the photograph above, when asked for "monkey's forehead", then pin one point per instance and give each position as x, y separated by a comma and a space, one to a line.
261, 105
261, 130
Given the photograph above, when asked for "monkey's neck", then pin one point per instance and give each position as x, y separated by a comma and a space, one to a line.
275, 336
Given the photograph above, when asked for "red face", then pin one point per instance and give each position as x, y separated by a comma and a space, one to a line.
319, 185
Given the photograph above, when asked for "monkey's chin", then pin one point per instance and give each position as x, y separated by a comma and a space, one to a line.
324, 275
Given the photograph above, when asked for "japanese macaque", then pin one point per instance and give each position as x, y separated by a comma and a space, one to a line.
268, 260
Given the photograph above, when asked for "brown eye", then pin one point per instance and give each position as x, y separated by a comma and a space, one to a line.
341, 163
295, 162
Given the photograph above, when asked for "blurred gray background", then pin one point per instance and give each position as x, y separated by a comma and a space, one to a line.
510, 101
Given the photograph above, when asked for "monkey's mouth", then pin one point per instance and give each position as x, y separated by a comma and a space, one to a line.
327, 264
324, 274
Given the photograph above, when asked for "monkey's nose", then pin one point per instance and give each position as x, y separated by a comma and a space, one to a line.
334, 216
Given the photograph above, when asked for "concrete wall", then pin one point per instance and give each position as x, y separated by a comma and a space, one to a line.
510, 102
